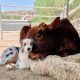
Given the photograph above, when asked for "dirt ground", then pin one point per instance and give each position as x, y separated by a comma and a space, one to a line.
17, 74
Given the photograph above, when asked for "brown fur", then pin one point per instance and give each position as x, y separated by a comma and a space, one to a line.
13, 60
24, 32
57, 38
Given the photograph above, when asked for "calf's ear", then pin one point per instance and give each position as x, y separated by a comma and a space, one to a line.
54, 23
24, 32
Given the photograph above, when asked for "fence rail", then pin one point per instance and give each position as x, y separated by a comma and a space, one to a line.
32, 6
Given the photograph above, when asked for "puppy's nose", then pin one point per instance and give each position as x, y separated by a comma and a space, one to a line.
28, 49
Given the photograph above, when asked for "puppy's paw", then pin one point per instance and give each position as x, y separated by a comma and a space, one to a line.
36, 56
10, 66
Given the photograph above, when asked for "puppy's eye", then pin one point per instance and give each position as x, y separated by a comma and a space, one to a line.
11, 53
25, 44
7, 55
10, 49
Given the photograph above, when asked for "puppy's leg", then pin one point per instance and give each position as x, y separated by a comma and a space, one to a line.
11, 66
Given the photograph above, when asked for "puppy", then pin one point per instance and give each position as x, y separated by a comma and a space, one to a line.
23, 58
9, 56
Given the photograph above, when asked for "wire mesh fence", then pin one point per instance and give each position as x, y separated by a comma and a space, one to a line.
18, 16
13, 17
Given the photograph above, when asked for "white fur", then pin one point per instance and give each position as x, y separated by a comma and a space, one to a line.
10, 66
23, 60
8, 54
67, 68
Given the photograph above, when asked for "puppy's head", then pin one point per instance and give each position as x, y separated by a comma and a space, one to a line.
9, 55
27, 45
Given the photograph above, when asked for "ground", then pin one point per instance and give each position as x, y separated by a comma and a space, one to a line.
17, 74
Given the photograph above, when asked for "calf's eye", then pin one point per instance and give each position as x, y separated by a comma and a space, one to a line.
39, 34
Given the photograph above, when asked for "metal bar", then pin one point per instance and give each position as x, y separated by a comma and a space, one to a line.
64, 13
67, 8
1, 34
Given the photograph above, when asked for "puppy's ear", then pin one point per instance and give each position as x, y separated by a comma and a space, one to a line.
54, 24
17, 48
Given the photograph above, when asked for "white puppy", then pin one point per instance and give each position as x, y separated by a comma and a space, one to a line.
23, 58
